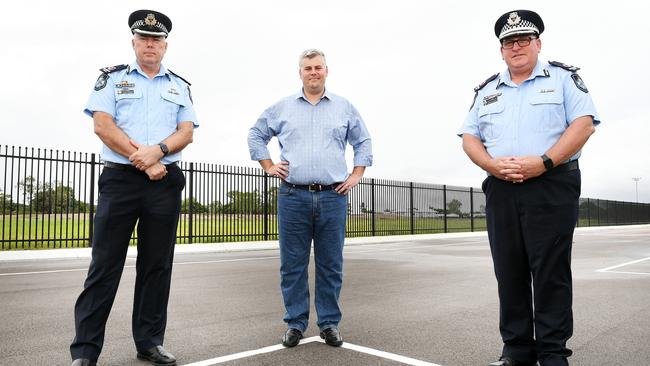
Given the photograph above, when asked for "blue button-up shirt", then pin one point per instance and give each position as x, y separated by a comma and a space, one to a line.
527, 119
312, 137
147, 110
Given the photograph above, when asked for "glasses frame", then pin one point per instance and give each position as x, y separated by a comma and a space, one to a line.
526, 40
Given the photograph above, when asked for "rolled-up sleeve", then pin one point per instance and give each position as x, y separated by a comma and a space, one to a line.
359, 139
259, 136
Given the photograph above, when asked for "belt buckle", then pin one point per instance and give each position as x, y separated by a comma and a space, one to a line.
315, 188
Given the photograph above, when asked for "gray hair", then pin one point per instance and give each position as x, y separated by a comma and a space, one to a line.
311, 53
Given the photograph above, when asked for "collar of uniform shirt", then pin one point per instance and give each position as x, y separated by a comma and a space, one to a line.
301, 95
537, 71
135, 67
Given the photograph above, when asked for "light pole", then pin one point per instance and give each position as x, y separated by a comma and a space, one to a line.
636, 187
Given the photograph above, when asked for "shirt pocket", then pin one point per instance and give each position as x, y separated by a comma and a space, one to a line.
172, 104
125, 101
491, 120
548, 112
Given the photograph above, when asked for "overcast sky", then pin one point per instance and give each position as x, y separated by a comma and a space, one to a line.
408, 66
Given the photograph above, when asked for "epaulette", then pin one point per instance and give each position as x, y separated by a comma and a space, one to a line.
178, 76
564, 66
486, 82
110, 69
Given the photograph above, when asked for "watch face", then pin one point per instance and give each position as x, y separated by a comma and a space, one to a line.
164, 148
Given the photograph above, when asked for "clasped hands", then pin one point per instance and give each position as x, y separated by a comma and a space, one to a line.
281, 170
517, 169
147, 159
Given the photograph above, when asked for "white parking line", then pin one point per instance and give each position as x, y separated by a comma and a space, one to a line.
609, 269
350, 346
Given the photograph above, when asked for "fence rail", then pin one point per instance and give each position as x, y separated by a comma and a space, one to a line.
48, 199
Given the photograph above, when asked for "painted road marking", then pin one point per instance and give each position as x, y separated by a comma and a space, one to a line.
610, 269
346, 345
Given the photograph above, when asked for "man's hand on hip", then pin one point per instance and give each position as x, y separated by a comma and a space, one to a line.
280, 170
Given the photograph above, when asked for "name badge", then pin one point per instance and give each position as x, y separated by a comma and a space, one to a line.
492, 98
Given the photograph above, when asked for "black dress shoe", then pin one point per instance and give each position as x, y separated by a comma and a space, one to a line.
332, 336
83, 362
291, 337
157, 356
507, 361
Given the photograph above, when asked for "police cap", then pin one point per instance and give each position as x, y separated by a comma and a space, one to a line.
150, 23
518, 22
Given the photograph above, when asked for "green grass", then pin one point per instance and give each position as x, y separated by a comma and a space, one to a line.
71, 231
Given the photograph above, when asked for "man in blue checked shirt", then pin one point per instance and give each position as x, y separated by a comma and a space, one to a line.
144, 116
526, 129
313, 128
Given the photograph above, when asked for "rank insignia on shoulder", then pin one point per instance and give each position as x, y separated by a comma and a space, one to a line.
110, 69
486, 82
178, 76
564, 66
101, 82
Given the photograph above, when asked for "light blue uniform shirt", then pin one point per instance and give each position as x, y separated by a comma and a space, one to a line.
147, 110
312, 138
527, 119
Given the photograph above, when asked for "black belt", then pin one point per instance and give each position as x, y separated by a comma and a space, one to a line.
127, 167
566, 167
313, 187
563, 168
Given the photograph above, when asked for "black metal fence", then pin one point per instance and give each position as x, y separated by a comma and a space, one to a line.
48, 198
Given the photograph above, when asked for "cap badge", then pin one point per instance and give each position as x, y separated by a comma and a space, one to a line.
514, 19
150, 19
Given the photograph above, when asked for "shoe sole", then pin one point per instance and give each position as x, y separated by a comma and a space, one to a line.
145, 358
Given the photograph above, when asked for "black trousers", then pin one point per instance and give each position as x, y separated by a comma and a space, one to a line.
127, 197
530, 228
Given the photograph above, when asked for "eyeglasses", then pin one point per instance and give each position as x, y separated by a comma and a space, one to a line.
522, 42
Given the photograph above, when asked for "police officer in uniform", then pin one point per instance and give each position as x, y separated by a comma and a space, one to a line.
526, 128
144, 116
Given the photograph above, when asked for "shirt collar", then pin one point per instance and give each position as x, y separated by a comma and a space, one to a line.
135, 67
301, 95
538, 70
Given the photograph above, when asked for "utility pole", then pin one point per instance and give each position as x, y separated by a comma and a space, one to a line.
636, 187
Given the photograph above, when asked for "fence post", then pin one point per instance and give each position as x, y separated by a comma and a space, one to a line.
412, 209
265, 205
372, 203
471, 209
444, 205
91, 214
190, 208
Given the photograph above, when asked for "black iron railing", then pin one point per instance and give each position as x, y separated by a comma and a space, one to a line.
48, 197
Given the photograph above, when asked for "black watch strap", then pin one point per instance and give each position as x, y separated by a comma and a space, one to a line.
164, 149
548, 163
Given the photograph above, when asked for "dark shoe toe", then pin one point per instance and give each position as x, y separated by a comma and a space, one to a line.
332, 336
157, 356
291, 337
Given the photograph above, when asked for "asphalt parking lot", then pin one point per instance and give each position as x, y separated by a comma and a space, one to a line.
406, 301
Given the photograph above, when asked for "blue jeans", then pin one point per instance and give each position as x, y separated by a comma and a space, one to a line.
303, 216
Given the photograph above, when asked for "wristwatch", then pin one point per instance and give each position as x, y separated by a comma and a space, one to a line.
164, 149
548, 163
